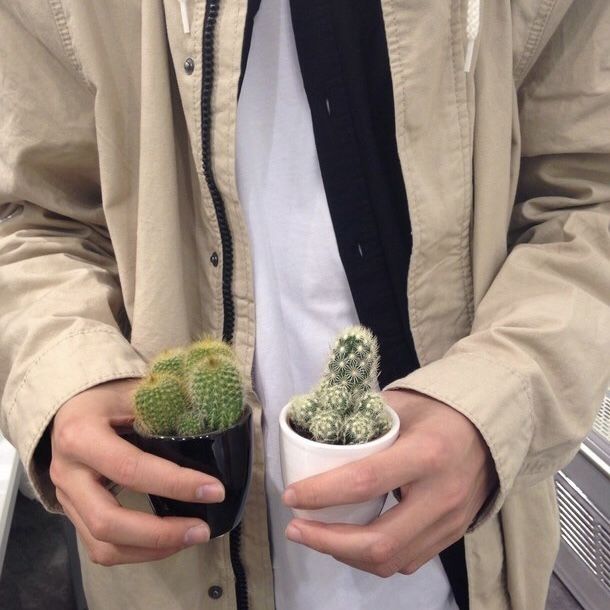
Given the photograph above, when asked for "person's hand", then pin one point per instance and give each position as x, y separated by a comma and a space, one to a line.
444, 471
87, 453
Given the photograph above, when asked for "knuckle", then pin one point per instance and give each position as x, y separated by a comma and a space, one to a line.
127, 471
100, 555
99, 526
175, 486
382, 551
61, 497
433, 454
455, 495
385, 571
457, 525
55, 473
311, 495
410, 568
161, 540
365, 480
67, 439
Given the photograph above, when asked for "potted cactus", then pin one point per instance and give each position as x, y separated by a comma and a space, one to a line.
190, 409
342, 420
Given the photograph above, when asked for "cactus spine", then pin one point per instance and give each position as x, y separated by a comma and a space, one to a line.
158, 402
190, 391
214, 388
170, 361
343, 409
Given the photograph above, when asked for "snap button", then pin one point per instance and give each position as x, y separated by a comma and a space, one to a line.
214, 259
215, 592
189, 65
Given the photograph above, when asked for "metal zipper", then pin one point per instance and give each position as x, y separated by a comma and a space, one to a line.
226, 240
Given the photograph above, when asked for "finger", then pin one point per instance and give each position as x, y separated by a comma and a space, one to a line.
355, 482
128, 466
428, 545
108, 521
378, 542
105, 553
425, 545
352, 542
431, 542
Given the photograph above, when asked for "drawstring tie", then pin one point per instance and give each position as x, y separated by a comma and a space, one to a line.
472, 30
184, 12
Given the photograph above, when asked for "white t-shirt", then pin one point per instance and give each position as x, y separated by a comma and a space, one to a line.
302, 301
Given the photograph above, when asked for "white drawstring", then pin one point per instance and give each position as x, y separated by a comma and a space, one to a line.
472, 30
184, 11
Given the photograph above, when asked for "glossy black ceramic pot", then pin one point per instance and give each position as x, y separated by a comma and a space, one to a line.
226, 455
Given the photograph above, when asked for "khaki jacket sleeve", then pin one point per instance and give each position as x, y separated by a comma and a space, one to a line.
61, 308
532, 373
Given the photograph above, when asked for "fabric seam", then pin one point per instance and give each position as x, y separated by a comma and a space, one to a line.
61, 23
534, 37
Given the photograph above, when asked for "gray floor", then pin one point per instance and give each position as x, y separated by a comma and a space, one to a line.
36, 572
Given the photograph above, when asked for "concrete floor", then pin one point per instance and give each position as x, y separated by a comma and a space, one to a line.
37, 576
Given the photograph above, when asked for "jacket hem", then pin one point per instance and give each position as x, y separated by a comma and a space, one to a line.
92, 357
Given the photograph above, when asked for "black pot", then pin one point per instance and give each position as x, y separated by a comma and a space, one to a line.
226, 455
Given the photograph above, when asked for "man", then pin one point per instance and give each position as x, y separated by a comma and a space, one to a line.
123, 234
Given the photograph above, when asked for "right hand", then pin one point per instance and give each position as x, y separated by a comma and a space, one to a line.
87, 452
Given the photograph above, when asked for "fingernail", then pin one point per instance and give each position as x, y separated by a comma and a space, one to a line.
290, 498
197, 534
211, 492
293, 533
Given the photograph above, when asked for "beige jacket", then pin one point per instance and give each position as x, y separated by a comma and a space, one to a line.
106, 222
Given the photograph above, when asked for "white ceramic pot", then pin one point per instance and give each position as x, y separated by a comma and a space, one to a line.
302, 458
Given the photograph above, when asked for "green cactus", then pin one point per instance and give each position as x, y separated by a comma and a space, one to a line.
207, 347
302, 409
372, 408
214, 386
191, 423
334, 398
158, 401
371, 405
354, 360
326, 427
190, 391
343, 409
169, 361
358, 428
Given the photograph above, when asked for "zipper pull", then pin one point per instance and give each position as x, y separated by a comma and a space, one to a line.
184, 12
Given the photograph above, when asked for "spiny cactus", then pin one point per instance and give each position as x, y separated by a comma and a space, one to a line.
191, 422
207, 347
343, 409
214, 386
358, 428
302, 410
326, 427
354, 360
159, 400
190, 391
169, 361
334, 398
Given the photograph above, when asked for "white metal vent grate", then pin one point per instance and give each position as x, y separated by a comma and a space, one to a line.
605, 557
584, 529
602, 421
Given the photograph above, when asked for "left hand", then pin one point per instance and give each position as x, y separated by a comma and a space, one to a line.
445, 473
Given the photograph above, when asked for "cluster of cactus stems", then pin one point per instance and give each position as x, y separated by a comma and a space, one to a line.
344, 409
190, 391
